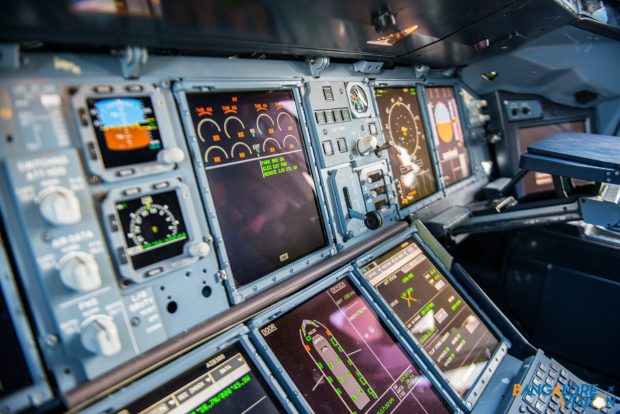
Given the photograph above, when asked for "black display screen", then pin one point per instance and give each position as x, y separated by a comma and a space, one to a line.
126, 129
343, 360
447, 131
224, 383
15, 373
257, 167
409, 155
153, 228
440, 319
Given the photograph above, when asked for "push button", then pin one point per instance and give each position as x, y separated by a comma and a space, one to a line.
346, 115
342, 144
320, 117
328, 94
328, 149
372, 127
338, 115
329, 117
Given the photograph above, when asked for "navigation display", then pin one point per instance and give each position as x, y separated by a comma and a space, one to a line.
342, 359
440, 319
409, 155
536, 181
153, 228
225, 383
126, 129
258, 172
447, 131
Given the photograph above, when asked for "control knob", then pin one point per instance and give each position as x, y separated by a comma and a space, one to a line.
198, 249
59, 206
99, 335
366, 144
373, 220
79, 271
174, 155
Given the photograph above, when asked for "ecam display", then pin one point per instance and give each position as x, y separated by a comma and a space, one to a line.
259, 177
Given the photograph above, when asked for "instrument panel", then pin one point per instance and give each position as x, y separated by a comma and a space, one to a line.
258, 169
461, 342
137, 210
410, 153
338, 356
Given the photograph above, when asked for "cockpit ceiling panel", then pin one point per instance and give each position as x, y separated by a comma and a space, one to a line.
318, 27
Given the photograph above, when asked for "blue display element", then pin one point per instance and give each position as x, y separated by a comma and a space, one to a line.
120, 112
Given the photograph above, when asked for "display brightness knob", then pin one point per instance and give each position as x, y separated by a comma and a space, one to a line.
198, 249
174, 155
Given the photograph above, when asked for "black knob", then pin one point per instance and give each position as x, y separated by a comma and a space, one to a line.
373, 220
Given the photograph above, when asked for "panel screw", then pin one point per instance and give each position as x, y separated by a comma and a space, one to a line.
222, 276
51, 340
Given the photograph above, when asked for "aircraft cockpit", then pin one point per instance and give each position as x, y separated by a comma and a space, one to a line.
371, 207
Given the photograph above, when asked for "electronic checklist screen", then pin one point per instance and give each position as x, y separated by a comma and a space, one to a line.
224, 383
343, 360
436, 315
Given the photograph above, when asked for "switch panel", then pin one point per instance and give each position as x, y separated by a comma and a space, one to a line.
352, 159
74, 277
522, 110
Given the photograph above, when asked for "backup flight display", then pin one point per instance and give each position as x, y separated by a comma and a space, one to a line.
225, 383
409, 155
259, 177
447, 132
126, 129
343, 360
441, 321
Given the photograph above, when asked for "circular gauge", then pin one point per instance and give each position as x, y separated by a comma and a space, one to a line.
208, 129
358, 99
265, 124
234, 127
405, 128
152, 223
